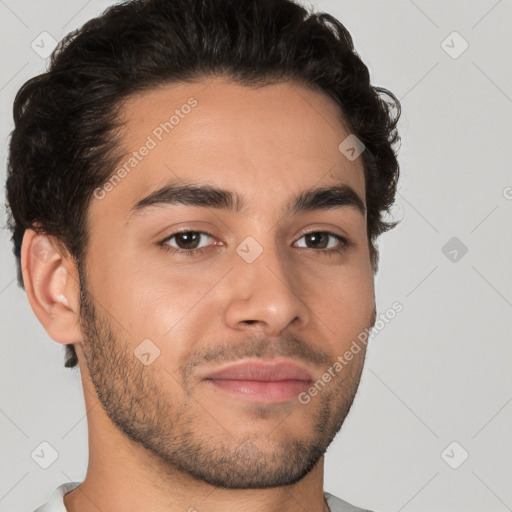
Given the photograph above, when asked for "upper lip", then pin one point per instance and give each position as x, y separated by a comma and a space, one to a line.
266, 371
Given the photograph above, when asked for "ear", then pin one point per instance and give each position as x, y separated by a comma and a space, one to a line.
51, 281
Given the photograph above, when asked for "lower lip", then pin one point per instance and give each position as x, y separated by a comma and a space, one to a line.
273, 391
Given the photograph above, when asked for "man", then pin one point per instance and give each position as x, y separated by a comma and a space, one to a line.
196, 187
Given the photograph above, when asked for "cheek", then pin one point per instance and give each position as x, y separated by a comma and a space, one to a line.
139, 301
346, 303
163, 305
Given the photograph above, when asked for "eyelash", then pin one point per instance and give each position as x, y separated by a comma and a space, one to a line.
344, 244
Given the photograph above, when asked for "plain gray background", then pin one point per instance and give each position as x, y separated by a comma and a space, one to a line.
439, 372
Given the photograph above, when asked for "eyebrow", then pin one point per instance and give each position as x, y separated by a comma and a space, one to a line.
208, 196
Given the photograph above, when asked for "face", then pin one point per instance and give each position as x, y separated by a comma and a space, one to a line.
211, 249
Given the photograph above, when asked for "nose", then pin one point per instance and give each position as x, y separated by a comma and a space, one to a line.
265, 296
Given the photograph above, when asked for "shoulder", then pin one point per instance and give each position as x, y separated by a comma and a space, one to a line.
339, 505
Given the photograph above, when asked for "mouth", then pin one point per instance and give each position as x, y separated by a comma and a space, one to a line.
264, 381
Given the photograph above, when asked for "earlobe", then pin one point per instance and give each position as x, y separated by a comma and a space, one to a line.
51, 283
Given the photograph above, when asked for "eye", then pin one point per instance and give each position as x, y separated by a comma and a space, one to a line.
186, 242
325, 241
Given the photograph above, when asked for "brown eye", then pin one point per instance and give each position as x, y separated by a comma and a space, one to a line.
324, 240
186, 240
317, 240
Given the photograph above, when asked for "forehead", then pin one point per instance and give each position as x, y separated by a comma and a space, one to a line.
277, 140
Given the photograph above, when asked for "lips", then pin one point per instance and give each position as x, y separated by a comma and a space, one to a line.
263, 371
274, 381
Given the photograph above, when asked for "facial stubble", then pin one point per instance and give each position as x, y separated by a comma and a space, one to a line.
180, 437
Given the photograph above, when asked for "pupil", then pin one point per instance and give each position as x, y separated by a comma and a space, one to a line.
187, 237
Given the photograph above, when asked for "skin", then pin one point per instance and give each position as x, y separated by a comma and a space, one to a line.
160, 438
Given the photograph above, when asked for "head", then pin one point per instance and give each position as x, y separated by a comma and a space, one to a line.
243, 108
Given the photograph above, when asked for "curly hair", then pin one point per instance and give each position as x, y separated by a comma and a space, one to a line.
65, 140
